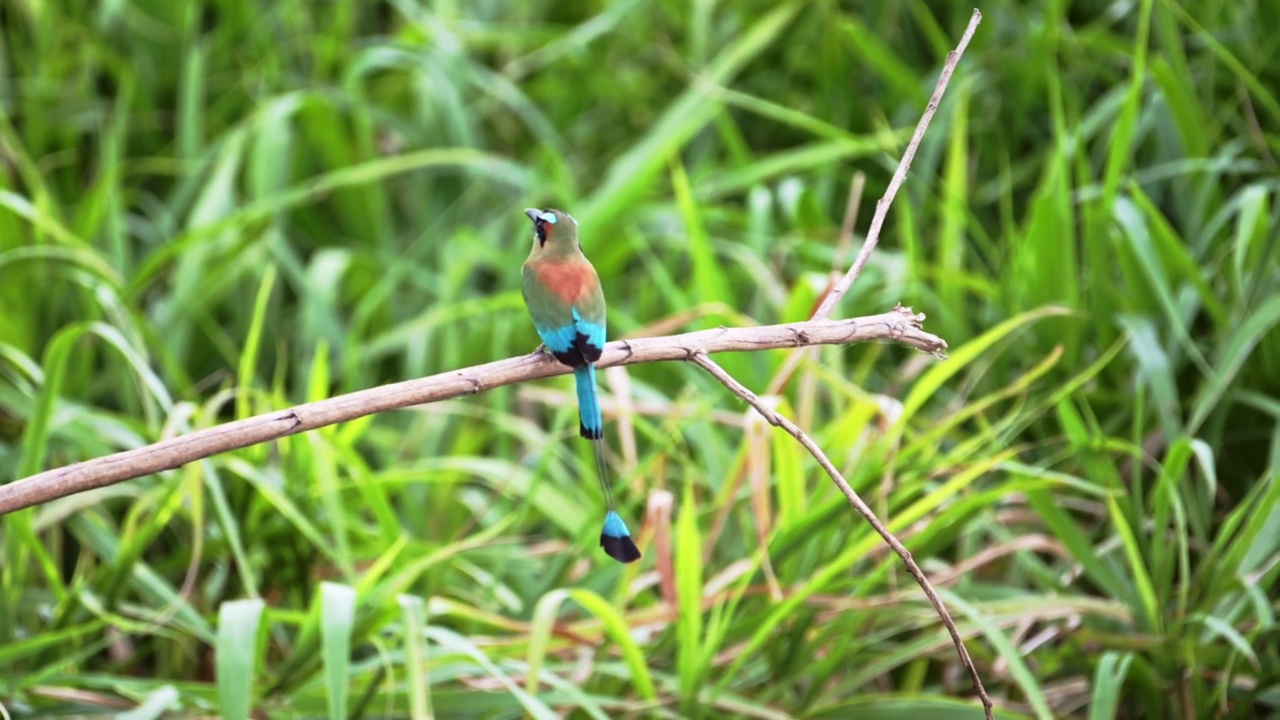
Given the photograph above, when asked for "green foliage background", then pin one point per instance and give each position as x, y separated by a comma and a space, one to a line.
215, 208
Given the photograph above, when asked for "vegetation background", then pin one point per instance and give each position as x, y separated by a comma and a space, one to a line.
214, 208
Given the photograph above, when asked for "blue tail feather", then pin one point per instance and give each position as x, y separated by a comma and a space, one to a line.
616, 540
615, 537
591, 423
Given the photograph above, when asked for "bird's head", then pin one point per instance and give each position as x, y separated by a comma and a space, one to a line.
553, 229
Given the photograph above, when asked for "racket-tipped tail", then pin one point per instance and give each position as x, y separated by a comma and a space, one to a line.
616, 540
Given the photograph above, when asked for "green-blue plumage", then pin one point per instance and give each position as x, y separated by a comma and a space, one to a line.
591, 424
562, 292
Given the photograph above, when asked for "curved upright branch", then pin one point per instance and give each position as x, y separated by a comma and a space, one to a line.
899, 175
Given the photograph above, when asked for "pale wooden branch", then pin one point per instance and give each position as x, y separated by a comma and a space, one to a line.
899, 325
899, 175
824, 310
861, 507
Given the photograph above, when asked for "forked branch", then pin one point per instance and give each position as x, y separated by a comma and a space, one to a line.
899, 325
821, 313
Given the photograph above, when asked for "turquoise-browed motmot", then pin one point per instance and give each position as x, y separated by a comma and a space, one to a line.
562, 292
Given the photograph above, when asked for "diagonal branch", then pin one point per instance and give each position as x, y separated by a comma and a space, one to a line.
899, 325
737, 388
899, 175
824, 311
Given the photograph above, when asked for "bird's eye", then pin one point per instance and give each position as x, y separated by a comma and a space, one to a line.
548, 217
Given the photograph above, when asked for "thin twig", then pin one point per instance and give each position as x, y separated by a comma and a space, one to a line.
701, 359
899, 175
824, 310
783, 375
851, 207
899, 325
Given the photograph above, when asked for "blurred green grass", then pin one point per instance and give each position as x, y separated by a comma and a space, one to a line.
216, 208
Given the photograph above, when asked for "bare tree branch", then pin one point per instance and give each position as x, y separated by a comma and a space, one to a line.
899, 325
863, 509
899, 175
824, 311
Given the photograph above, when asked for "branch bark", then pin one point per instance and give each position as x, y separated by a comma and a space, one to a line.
820, 314
737, 388
899, 175
899, 325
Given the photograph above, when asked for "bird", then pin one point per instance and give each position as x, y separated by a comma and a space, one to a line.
562, 292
